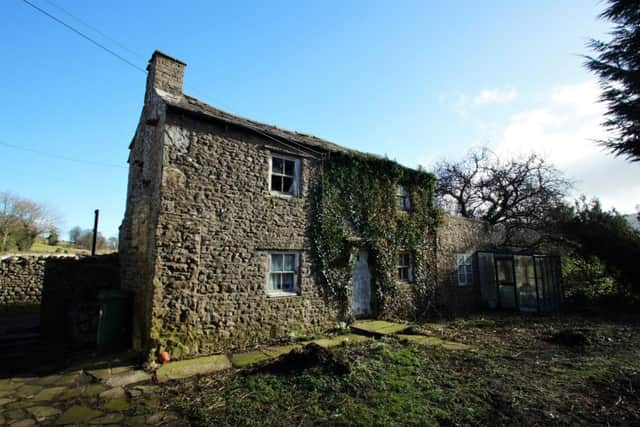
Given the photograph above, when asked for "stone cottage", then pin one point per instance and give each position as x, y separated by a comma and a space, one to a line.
219, 243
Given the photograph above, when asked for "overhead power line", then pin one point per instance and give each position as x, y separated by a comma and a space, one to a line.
97, 31
86, 37
56, 156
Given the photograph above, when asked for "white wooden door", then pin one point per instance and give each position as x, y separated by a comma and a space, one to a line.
361, 296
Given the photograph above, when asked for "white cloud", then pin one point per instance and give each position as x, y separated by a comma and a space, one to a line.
564, 129
495, 96
463, 103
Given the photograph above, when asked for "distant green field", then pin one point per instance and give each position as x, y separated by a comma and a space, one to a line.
41, 246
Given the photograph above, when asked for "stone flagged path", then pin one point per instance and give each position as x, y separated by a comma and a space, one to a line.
378, 327
123, 395
83, 397
434, 341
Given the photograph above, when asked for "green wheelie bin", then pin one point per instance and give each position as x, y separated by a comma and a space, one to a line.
114, 322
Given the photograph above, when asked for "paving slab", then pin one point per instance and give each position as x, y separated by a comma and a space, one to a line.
49, 393
117, 405
15, 415
78, 415
20, 404
100, 374
240, 360
126, 378
277, 351
28, 391
340, 340
113, 418
41, 413
27, 422
434, 341
70, 393
68, 378
5, 400
94, 389
113, 393
48, 380
378, 327
188, 368
9, 385
142, 389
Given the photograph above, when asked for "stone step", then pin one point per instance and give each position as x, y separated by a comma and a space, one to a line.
378, 327
191, 367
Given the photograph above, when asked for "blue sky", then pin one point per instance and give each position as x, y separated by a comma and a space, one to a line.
415, 80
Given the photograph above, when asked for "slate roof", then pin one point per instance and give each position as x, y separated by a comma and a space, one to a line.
193, 105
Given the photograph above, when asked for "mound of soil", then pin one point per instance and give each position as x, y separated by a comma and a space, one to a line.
310, 356
569, 338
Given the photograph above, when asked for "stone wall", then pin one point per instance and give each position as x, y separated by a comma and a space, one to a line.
66, 288
458, 235
217, 224
69, 309
138, 230
21, 279
201, 220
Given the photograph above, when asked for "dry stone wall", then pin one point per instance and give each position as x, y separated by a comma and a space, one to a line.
69, 309
21, 279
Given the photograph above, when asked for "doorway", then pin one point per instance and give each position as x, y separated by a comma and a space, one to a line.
505, 279
361, 278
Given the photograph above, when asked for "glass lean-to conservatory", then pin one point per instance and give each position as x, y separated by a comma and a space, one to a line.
528, 283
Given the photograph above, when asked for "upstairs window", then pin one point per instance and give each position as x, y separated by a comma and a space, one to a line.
403, 198
465, 269
405, 267
285, 175
283, 273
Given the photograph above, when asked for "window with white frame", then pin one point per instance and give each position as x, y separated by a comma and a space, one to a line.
285, 175
403, 198
283, 273
405, 267
465, 269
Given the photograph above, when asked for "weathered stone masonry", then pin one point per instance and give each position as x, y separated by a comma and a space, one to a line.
201, 220
457, 235
66, 287
21, 279
217, 224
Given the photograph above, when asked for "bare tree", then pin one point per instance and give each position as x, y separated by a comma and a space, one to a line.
520, 194
21, 220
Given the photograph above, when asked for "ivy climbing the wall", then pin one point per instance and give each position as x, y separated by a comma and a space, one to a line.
357, 209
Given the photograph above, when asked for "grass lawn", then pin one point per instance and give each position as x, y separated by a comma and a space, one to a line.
522, 371
41, 246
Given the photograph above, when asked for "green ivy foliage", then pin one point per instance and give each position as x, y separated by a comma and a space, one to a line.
356, 208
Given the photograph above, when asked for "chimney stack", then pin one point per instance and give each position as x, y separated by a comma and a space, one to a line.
165, 73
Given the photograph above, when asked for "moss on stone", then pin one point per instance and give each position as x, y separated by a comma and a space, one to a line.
78, 415
188, 368
241, 360
117, 405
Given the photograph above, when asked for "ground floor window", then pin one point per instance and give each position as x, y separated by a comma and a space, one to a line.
405, 267
465, 269
283, 272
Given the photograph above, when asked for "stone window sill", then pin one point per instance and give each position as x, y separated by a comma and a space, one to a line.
275, 294
285, 195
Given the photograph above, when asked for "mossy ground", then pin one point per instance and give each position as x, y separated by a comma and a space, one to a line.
516, 375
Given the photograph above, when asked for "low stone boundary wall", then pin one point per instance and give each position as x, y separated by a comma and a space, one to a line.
21, 279
66, 287
69, 309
